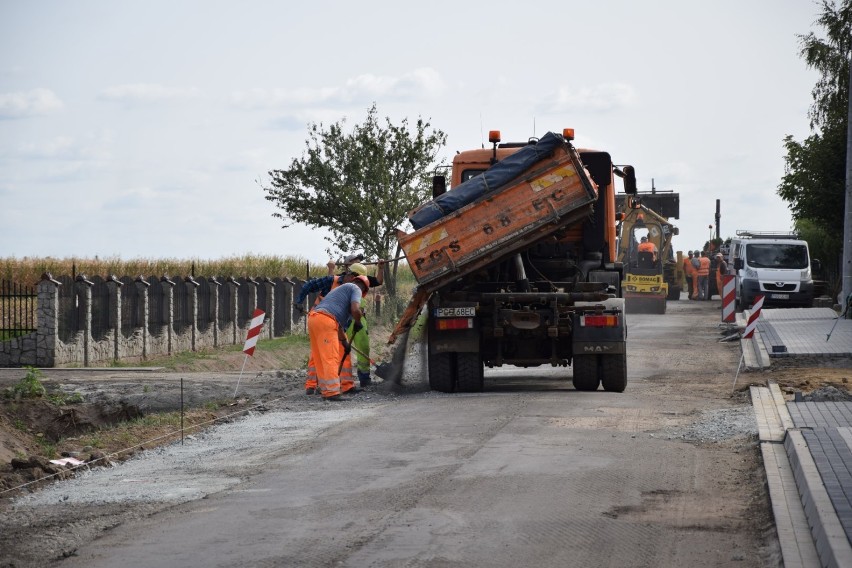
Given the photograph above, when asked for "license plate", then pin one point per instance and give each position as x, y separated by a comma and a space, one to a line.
780, 296
455, 312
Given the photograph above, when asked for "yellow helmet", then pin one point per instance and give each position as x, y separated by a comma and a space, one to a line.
358, 269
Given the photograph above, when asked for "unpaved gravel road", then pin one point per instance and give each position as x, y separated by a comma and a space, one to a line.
530, 472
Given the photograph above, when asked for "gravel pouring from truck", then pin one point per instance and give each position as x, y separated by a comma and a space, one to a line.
523, 272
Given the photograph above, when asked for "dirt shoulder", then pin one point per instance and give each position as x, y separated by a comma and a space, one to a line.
103, 415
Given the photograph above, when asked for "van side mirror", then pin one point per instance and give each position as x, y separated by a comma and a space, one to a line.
738, 264
816, 265
439, 186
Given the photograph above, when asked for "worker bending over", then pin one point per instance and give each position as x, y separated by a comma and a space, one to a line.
326, 322
360, 339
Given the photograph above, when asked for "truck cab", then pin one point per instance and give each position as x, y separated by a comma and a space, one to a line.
775, 265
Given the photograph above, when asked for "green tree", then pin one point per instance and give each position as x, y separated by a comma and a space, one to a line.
814, 183
359, 184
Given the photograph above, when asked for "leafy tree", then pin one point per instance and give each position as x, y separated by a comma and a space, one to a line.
822, 247
358, 184
814, 184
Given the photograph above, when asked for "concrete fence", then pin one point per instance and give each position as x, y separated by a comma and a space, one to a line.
97, 321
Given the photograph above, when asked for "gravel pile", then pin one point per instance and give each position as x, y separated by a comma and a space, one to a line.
206, 463
714, 426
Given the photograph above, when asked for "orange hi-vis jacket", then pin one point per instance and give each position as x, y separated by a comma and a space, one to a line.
647, 247
687, 266
704, 266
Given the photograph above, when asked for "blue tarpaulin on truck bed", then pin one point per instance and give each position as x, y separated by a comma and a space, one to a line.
490, 180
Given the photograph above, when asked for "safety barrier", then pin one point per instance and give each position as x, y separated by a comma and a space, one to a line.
729, 299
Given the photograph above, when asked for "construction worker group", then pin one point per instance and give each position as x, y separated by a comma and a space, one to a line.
696, 266
336, 326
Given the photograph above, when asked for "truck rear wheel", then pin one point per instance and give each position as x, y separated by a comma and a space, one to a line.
469, 372
614, 372
442, 376
585, 369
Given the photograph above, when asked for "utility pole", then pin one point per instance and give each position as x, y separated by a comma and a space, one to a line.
846, 266
718, 218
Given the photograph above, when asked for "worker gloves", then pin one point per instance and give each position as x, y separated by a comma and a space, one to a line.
356, 327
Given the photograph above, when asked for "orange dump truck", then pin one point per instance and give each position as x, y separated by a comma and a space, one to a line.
517, 265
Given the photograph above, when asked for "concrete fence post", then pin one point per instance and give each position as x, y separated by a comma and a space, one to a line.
252, 296
270, 307
192, 291
83, 288
142, 286
169, 303
47, 322
114, 286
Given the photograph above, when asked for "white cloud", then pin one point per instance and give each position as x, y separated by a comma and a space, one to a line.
599, 98
418, 84
146, 93
37, 102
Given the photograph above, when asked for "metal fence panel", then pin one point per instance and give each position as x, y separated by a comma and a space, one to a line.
100, 308
17, 309
69, 319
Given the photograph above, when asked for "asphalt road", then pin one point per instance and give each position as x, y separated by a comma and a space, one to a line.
528, 473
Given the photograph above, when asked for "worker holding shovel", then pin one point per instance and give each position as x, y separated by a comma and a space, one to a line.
359, 338
329, 345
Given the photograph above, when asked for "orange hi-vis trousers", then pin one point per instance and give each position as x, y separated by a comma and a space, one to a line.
347, 382
326, 351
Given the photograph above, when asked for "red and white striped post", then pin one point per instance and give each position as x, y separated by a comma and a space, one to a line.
749, 331
752, 319
251, 340
729, 298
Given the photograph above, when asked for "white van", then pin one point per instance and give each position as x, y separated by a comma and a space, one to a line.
775, 265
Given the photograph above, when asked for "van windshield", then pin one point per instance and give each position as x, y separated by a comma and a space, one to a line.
777, 256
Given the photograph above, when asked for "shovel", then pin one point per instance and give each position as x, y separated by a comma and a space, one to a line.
356, 350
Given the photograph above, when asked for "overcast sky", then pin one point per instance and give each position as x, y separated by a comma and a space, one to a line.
145, 129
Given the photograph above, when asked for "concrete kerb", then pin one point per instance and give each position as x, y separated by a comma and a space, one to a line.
791, 523
829, 537
808, 527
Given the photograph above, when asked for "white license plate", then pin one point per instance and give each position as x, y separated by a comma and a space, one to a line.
780, 296
455, 312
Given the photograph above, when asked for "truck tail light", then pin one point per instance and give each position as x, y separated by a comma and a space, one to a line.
603, 320
455, 323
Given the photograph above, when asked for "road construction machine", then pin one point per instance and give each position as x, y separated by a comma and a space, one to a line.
517, 265
652, 273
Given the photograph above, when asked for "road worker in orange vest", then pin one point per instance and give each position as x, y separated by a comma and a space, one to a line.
721, 271
703, 276
647, 246
689, 271
696, 264
326, 324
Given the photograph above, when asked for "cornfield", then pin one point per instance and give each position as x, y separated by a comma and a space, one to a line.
28, 271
